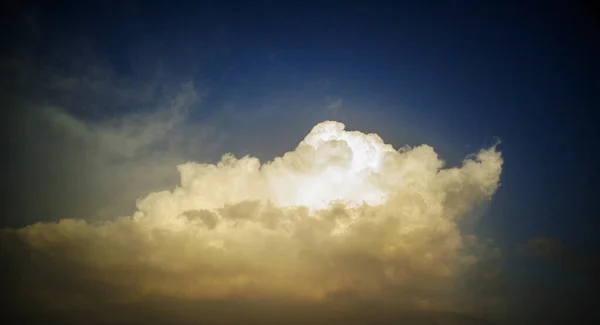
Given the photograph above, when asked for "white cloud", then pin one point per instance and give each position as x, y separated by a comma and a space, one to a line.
343, 216
334, 105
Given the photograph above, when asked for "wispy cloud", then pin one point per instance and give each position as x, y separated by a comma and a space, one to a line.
556, 251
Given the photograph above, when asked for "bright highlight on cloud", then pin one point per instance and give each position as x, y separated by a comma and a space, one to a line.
343, 216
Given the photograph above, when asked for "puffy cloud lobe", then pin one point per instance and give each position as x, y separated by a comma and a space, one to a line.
343, 216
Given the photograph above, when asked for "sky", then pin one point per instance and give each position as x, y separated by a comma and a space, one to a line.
112, 107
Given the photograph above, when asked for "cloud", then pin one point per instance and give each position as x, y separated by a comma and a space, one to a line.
84, 165
546, 248
334, 105
553, 271
554, 250
343, 217
86, 140
161, 311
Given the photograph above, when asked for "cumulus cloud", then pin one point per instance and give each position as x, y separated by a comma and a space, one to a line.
344, 216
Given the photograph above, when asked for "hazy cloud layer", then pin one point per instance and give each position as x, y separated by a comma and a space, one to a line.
554, 250
86, 141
